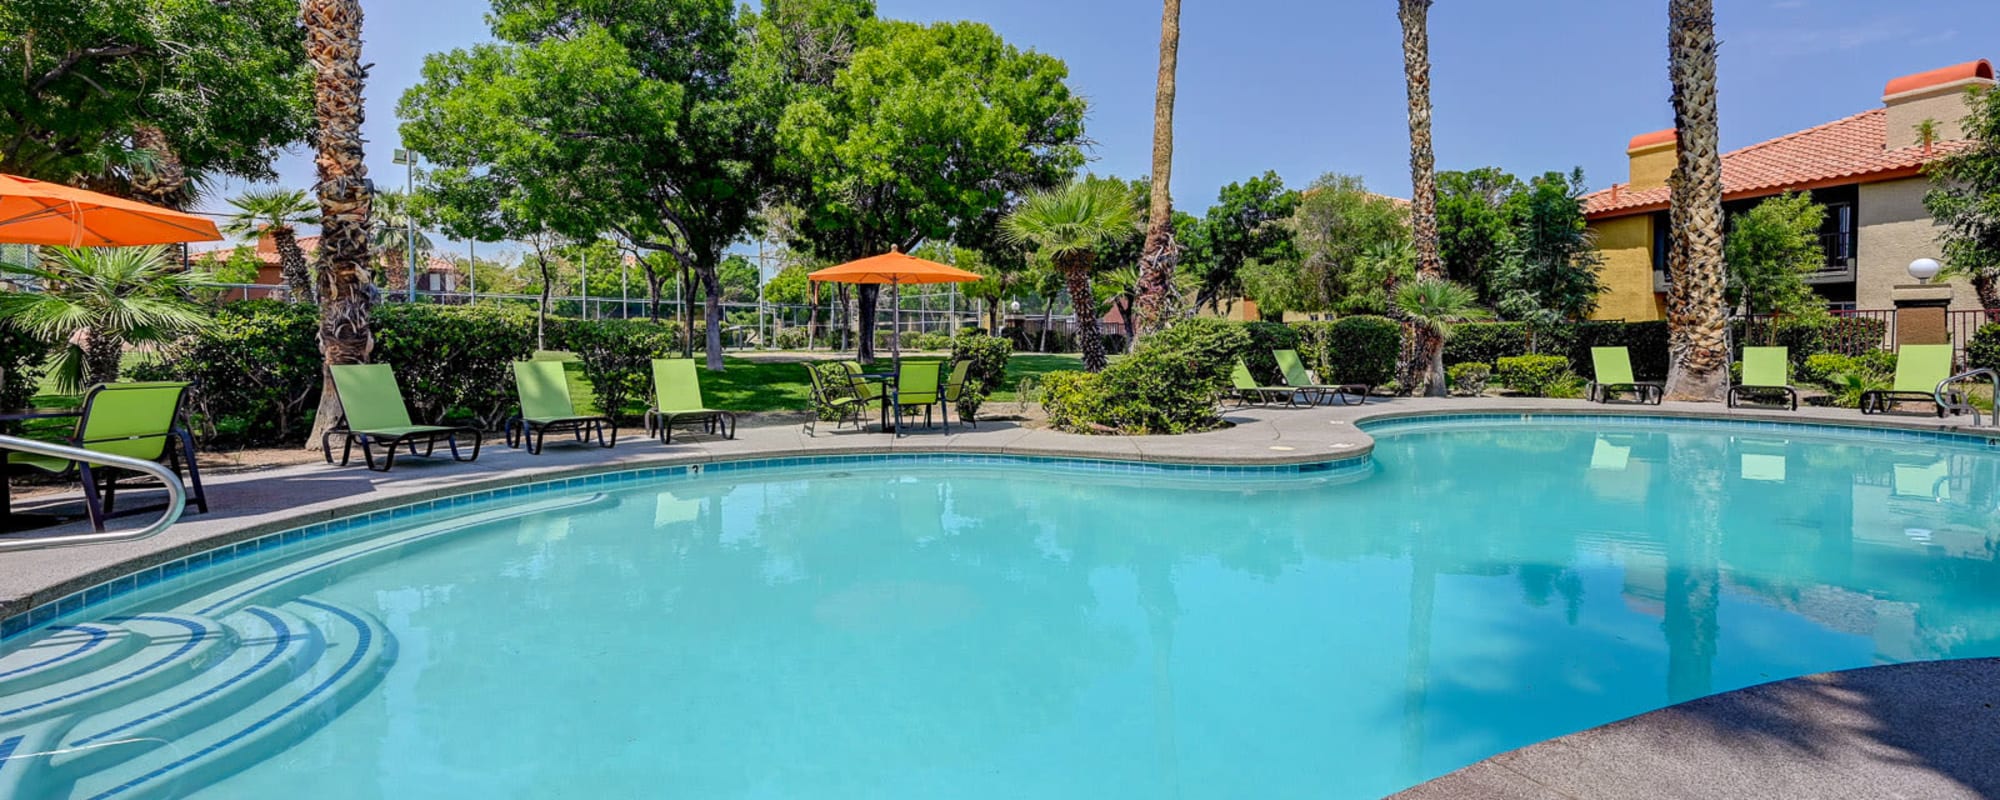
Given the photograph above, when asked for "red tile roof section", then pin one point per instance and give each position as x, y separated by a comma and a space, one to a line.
1850, 150
1953, 74
267, 252
1650, 139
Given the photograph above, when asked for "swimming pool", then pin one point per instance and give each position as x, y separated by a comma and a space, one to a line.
994, 627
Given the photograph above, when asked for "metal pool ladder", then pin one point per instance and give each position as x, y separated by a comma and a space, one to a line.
176, 496
1960, 403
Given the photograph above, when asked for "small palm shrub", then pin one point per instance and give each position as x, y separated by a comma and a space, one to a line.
95, 301
1846, 378
1469, 379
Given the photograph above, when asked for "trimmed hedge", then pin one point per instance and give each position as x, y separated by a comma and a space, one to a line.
1486, 342
257, 367
1646, 341
1357, 349
1536, 376
1266, 337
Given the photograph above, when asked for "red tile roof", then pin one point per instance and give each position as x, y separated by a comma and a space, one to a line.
1851, 150
1956, 73
267, 252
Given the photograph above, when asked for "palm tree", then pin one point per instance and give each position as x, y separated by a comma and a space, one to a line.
1697, 321
276, 211
1066, 226
333, 44
1161, 253
161, 180
1425, 351
94, 301
394, 240
1126, 282
1431, 306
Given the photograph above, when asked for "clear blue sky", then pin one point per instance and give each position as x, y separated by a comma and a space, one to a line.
1309, 86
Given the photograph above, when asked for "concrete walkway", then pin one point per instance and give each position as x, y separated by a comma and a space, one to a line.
1919, 730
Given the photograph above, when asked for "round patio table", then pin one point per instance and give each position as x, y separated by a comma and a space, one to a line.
10, 521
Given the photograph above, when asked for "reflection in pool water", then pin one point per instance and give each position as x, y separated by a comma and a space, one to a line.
981, 631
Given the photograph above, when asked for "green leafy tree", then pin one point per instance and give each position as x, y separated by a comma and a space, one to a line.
739, 279
790, 287
113, 93
1770, 251
1067, 226
1549, 271
1339, 230
1432, 306
96, 300
1965, 200
1246, 224
641, 118
1475, 227
927, 130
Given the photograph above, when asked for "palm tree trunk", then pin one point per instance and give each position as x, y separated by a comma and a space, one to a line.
102, 355
333, 44
1077, 274
1697, 321
1161, 253
161, 182
1427, 347
292, 265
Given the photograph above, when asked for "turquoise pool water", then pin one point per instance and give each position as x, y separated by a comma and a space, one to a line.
931, 629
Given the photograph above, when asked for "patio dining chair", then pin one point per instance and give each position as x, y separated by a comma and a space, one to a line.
834, 397
136, 420
918, 385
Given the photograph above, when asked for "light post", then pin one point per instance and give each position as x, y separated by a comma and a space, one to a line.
1924, 269
409, 162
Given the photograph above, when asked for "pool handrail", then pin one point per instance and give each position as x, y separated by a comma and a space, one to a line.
1942, 393
176, 496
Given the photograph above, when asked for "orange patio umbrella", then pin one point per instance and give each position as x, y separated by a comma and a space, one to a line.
38, 212
895, 269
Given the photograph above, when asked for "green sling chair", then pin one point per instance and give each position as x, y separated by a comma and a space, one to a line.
917, 386
1919, 369
1246, 390
834, 397
677, 400
136, 420
1766, 373
872, 392
1298, 377
956, 387
373, 413
1613, 368
546, 406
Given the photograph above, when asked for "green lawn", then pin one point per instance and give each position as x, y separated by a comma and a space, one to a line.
784, 386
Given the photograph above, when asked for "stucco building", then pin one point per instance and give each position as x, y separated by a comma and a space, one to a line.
1867, 169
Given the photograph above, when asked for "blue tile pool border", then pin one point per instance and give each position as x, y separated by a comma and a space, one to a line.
277, 545
1413, 423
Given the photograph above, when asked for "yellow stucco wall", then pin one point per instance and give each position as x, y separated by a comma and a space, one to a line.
1627, 246
1651, 165
1894, 231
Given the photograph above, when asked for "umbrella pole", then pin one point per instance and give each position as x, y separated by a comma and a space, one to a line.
896, 325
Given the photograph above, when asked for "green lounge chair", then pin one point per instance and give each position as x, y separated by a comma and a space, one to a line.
372, 413
136, 420
956, 388
1245, 388
1919, 369
1298, 377
582, 393
1766, 373
917, 386
677, 400
834, 397
1613, 367
546, 406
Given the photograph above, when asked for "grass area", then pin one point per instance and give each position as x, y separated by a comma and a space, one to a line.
745, 385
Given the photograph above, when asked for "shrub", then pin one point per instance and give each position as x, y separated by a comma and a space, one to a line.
988, 355
789, 339
255, 370
1536, 376
1469, 379
617, 357
1845, 377
1361, 349
1114, 343
1645, 341
1486, 342
1984, 349
1072, 400
1167, 385
454, 362
21, 357
1214, 344
927, 341
1264, 338
1806, 336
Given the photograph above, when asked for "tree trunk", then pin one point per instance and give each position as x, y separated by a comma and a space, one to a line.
864, 321
687, 309
711, 291
333, 44
1697, 321
101, 356
292, 266
1077, 274
1427, 349
1048, 318
542, 308
162, 182
1161, 253
653, 285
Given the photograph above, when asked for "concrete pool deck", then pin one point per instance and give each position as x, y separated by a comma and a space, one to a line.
1804, 741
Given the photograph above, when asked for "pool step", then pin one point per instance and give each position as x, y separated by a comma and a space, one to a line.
172, 649
353, 652
274, 647
63, 650
22, 749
